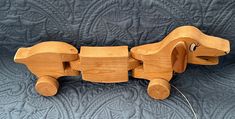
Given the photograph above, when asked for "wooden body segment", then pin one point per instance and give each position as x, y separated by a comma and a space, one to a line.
104, 64
173, 53
155, 62
183, 45
48, 61
48, 58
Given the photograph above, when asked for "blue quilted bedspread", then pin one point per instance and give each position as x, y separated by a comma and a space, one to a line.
210, 89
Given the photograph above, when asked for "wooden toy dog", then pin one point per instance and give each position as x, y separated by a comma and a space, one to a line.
155, 62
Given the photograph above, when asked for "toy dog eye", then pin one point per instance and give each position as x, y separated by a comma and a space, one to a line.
193, 47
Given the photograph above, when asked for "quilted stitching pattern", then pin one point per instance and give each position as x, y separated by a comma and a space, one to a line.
210, 89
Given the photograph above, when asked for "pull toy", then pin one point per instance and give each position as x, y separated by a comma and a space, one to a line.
155, 62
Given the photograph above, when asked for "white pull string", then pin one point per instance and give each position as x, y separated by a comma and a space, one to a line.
191, 107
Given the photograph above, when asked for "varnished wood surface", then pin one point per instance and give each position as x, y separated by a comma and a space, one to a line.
155, 62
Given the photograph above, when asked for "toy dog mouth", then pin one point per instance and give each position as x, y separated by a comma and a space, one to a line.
211, 59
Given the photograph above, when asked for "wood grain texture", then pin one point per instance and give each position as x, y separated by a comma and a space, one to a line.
104, 64
185, 44
159, 89
47, 86
48, 58
48, 61
155, 62
24, 23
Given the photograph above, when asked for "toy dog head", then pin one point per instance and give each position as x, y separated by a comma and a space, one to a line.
185, 44
193, 46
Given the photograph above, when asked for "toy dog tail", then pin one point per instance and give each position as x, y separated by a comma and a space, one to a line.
21, 55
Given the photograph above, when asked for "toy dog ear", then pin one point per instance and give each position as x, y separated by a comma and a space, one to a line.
179, 57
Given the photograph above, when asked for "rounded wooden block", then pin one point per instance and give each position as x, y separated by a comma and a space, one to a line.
159, 89
47, 86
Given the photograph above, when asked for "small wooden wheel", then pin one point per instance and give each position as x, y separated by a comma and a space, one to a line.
159, 89
47, 86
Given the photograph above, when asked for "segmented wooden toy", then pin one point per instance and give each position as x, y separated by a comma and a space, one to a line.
155, 62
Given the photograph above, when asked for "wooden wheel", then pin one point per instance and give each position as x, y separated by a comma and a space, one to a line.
47, 86
159, 89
